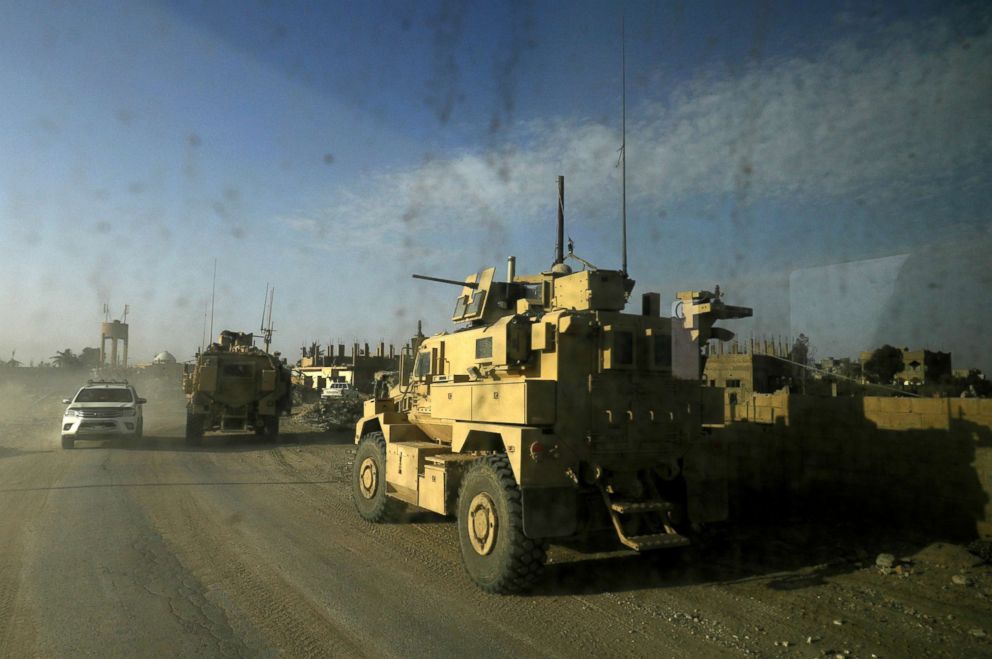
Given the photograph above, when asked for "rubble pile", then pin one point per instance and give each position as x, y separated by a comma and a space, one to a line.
332, 414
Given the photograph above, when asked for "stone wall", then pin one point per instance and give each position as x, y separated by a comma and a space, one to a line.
925, 462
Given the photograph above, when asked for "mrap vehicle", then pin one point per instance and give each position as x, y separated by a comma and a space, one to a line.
235, 387
549, 414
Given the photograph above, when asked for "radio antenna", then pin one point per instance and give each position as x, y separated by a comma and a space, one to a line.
213, 297
265, 303
269, 330
623, 142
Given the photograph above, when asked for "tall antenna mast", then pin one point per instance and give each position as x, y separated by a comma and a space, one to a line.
203, 338
269, 330
265, 303
623, 140
213, 293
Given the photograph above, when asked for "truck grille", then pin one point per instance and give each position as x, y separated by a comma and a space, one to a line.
101, 413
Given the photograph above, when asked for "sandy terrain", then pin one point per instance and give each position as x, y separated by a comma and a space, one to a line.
241, 547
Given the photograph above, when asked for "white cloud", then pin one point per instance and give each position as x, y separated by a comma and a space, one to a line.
904, 117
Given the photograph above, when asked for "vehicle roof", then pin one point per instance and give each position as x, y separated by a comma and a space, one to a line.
107, 385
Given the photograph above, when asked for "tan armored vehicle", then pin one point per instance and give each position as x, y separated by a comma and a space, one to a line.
547, 415
234, 387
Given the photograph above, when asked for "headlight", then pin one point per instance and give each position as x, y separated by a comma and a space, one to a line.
72, 412
128, 411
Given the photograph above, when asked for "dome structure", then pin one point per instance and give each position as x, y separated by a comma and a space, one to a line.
164, 357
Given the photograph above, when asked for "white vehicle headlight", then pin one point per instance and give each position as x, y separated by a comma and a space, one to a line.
128, 411
72, 412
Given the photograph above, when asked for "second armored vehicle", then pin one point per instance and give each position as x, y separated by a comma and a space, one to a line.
234, 387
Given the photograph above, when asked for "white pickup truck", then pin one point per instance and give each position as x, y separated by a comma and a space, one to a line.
339, 390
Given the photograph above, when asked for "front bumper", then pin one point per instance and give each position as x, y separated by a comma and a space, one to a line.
79, 427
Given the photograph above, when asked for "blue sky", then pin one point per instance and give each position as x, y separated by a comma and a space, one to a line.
331, 149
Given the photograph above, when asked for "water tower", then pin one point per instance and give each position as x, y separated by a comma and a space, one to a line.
115, 331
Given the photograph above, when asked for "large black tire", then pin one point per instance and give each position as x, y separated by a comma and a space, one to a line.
368, 480
139, 430
495, 551
194, 429
68, 441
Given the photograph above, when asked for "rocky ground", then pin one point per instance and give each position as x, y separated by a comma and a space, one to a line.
242, 547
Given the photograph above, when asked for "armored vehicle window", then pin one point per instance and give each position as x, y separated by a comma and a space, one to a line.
460, 305
662, 350
484, 348
733, 384
534, 292
423, 365
623, 346
237, 370
477, 299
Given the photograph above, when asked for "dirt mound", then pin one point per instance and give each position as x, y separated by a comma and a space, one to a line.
331, 414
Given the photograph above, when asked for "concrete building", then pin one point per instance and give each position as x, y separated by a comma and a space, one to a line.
319, 365
743, 368
918, 366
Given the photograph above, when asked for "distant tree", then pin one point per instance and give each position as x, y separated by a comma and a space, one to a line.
801, 355
883, 364
65, 359
800, 350
89, 357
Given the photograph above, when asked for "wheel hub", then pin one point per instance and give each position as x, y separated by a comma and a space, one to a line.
368, 478
482, 523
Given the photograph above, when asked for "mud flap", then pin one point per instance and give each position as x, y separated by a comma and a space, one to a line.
706, 475
549, 512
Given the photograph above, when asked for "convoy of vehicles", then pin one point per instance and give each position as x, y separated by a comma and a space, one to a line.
234, 387
548, 414
102, 408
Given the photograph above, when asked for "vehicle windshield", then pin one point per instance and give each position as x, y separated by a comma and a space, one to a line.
104, 395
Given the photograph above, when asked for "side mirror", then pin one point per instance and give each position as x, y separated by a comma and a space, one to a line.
142, 401
66, 401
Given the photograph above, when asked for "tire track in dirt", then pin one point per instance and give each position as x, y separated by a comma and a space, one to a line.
429, 550
28, 463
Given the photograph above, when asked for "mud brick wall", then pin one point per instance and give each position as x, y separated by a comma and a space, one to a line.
925, 462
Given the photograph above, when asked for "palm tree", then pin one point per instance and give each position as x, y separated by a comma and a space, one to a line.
65, 359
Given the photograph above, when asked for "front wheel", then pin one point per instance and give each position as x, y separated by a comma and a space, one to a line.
495, 551
139, 430
68, 442
368, 481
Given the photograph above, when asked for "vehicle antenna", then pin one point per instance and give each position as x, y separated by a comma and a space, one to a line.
265, 302
269, 330
559, 243
623, 142
203, 337
213, 297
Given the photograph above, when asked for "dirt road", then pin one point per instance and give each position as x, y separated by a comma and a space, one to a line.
241, 547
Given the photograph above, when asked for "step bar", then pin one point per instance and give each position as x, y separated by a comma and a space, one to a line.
670, 538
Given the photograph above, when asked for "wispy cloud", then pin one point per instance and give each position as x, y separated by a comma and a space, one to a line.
903, 117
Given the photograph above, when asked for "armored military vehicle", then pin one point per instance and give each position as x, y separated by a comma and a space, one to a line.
548, 414
233, 387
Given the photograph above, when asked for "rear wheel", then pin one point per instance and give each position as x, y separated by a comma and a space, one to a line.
495, 551
271, 427
368, 482
68, 442
194, 429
